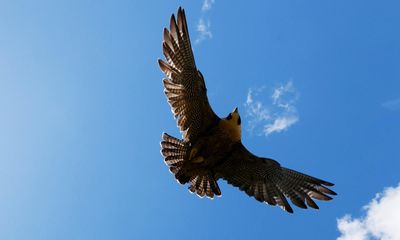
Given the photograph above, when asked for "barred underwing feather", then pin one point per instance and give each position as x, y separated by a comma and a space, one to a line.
320, 196
169, 86
296, 198
248, 172
169, 70
172, 58
325, 190
185, 88
310, 202
167, 38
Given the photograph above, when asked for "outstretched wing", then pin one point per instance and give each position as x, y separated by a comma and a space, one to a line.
267, 181
184, 84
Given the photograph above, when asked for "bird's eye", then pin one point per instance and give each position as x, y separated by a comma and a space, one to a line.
229, 117
239, 121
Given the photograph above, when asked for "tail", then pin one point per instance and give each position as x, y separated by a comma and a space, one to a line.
175, 152
204, 184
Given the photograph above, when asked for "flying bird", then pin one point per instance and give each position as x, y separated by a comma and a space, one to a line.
211, 148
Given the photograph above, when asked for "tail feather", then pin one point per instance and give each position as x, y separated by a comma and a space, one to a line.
175, 152
204, 184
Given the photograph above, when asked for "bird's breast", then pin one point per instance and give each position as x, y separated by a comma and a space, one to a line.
230, 130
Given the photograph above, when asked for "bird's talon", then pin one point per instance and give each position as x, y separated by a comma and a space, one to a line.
193, 153
198, 159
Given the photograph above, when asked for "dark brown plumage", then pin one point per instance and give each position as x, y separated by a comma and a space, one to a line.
211, 147
184, 86
267, 181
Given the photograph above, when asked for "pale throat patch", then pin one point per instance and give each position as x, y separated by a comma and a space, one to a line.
231, 128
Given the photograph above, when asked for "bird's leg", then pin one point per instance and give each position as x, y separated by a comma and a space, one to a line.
193, 158
193, 153
198, 159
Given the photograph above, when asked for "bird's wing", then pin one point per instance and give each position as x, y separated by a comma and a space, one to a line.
265, 180
184, 85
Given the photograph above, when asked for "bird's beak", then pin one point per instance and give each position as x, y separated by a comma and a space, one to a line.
235, 110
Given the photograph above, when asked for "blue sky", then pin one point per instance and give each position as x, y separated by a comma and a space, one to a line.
82, 112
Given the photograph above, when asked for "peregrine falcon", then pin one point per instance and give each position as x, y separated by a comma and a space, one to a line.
211, 148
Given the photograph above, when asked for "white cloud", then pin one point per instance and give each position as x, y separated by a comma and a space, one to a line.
204, 24
207, 4
392, 105
280, 124
266, 116
381, 220
204, 30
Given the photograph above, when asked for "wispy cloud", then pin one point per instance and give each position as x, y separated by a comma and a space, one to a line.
207, 4
271, 111
381, 220
280, 124
204, 24
392, 105
204, 31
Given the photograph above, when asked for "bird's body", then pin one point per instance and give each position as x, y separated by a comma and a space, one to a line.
214, 144
211, 147
204, 155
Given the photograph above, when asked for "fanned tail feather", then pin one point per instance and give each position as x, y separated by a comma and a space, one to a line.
204, 184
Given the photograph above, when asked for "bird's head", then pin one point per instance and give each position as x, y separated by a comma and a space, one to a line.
234, 117
231, 125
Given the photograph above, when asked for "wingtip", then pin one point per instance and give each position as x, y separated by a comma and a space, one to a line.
165, 34
165, 136
333, 193
172, 22
328, 184
286, 208
183, 13
289, 210
163, 66
180, 11
328, 198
